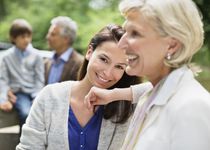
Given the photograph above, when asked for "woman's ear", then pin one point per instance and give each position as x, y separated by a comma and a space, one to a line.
173, 46
89, 52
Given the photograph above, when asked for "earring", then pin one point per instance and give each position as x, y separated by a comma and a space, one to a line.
168, 56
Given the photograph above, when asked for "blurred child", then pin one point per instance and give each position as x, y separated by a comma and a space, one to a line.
22, 71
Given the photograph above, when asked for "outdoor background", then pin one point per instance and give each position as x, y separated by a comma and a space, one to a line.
90, 15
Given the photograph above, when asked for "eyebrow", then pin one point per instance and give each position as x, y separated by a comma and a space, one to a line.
105, 56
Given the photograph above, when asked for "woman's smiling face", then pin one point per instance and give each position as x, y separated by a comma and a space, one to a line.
106, 64
146, 50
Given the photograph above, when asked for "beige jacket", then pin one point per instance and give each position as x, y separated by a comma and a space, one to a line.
177, 119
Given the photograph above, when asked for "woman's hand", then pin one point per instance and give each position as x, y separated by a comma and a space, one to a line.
98, 96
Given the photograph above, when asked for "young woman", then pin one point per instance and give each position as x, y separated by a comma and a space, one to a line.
160, 40
60, 120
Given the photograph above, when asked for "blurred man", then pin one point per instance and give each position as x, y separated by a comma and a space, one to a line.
65, 62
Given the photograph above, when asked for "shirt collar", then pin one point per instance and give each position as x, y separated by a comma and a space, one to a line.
64, 56
22, 53
168, 86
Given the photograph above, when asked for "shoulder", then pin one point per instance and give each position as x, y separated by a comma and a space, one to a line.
192, 90
7, 56
77, 55
184, 89
55, 93
58, 88
8, 53
188, 112
191, 100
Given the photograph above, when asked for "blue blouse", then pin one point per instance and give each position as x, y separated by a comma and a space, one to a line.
84, 138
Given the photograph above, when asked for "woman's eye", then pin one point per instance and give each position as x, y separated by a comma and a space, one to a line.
134, 34
104, 59
120, 67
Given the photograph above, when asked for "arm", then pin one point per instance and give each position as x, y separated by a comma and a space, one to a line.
98, 96
39, 75
34, 131
140, 90
4, 81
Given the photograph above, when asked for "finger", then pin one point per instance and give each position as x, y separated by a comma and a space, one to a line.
92, 98
13, 97
87, 102
5, 108
13, 100
89, 106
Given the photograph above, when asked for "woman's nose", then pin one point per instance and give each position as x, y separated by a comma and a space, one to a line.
108, 72
122, 44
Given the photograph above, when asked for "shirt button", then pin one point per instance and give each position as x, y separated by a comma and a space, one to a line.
81, 146
81, 132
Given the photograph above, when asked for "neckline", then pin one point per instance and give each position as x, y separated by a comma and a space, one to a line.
92, 119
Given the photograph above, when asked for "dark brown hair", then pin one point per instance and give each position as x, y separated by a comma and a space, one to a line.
19, 27
118, 111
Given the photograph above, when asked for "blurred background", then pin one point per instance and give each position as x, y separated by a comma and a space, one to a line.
90, 15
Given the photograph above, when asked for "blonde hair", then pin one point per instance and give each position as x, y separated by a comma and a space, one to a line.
179, 19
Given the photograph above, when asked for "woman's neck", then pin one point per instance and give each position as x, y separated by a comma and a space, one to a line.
158, 77
81, 89
78, 93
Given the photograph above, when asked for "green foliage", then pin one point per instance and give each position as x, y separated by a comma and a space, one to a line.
39, 13
203, 56
91, 15
94, 24
4, 29
204, 77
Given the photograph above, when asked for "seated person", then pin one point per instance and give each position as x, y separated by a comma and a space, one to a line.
22, 71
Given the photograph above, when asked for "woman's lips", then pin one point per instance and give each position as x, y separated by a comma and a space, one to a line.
102, 79
131, 58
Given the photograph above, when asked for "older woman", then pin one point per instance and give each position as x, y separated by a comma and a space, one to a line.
160, 40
